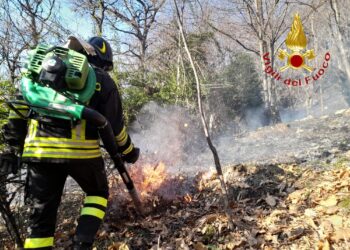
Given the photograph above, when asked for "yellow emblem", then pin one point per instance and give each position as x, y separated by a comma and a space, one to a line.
296, 41
103, 49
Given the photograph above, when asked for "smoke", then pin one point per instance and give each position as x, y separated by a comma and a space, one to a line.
254, 118
172, 135
169, 134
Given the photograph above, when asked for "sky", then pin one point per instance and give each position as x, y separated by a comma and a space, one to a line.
76, 22
83, 27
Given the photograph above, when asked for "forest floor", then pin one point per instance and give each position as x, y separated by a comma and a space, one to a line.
273, 207
301, 202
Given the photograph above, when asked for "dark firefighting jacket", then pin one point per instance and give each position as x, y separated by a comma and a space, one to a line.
58, 140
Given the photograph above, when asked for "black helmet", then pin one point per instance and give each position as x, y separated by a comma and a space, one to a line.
104, 57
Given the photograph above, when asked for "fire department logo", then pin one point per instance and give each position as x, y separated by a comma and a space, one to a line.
296, 42
297, 58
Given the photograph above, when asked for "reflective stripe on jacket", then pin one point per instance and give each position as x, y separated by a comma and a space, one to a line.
39, 144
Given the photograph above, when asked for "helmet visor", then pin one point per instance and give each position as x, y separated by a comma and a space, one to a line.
78, 44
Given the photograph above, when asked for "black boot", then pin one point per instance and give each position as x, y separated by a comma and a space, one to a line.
82, 246
78, 244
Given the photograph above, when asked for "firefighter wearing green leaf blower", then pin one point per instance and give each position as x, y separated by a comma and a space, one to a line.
54, 148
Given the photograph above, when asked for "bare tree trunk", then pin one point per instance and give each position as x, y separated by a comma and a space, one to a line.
265, 84
178, 77
339, 33
95, 9
99, 23
262, 51
270, 98
314, 34
204, 122
265, 79
275, 115
184, 79
308, 99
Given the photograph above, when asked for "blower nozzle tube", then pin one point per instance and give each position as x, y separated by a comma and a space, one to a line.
104, 129
107, 136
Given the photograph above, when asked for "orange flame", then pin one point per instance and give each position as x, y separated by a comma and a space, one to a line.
148, 178
296, 39
188, 198
154, 183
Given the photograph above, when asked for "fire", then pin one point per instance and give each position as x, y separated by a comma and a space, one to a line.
149, 178
188, 198
156, 184
296, 39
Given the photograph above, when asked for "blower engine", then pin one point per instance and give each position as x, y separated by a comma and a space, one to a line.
58, 82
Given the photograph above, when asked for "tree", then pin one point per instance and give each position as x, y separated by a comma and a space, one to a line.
96, 11
341, 25
236, 89
175, 69
266, 22
135, 18
24, 24
204, 120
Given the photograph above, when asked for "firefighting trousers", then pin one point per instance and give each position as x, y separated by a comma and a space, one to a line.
45, 185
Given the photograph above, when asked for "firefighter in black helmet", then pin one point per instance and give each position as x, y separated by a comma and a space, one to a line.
56, 148
104, 58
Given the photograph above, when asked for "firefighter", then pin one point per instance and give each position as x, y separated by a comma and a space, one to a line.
55, 148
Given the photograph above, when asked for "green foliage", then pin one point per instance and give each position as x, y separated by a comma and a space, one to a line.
170, 91
175, 83
161, 87
245, 91
174, 90
239, 88
7, 89
171, 83
196, 43
133, 100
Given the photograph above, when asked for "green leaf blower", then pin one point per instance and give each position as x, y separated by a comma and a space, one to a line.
58, 82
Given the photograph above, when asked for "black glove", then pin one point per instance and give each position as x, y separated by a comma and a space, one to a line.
118, 162
9, 163
132, 156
